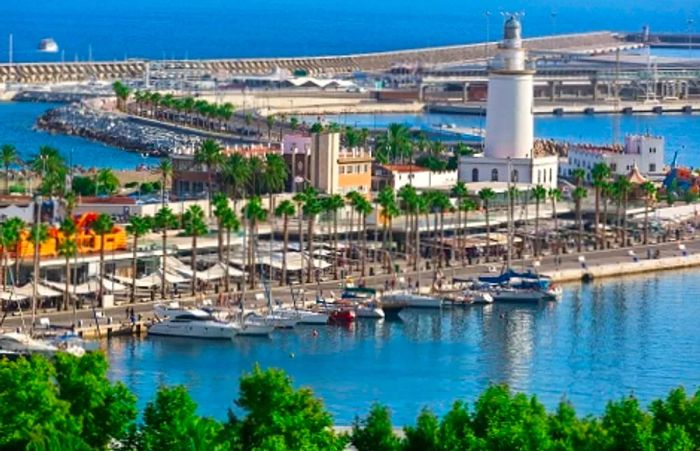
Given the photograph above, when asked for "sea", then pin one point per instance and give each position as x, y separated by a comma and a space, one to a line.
635, 335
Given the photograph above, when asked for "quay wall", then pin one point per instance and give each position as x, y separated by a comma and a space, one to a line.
600, 271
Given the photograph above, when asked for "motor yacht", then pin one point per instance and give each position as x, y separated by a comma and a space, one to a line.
18, 343
194, 323
370, 310
302, 316
410, 299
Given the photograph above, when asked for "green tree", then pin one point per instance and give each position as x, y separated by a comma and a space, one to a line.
209, 154
170, 422
278, 414
386, 199
9, 156
102, 226
195, 225
623, 187
441, 203
106, 411
220, 202
284, 210
410, 207
138, 226
364, 208
165, 171
459, 191
600, 173
466, 205
539, 193
425, 435
38, 234
375, 432
394, 145
32, 407
106, 182
627, 426
270, 122
50, 165
164, 220
312, 208
237, 175
294, 123
486, 195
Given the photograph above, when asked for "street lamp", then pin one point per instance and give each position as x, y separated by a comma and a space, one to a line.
487, 15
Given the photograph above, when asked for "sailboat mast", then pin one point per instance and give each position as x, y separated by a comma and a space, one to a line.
509, 218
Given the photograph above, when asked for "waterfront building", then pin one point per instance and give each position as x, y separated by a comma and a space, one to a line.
509, 140
334, 169
296, 150
646, 152
399, 175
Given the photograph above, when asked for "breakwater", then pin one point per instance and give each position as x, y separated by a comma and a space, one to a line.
83, 120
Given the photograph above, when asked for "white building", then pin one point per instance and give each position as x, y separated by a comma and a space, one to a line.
399, 175
644, 151
510, 122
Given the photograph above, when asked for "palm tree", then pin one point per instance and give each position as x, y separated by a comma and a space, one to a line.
459, 191
606, 193
486, 194
394, 144
138, 226
623, 187
230, 222
254, 214
539, 193
102, 226
649, 196
9, 156
274, 177
385, 199
67, 248
122, 92
257, 169
294, 123
441, 202
364, 208
209, 154
270, 122
285, 209
312, 208
579, 194
165, 170
600, 173
248, 118
220, 202
554, 197
466, 205
12, 232
353, 198
195, 225
237, 175
106, 181
579, 175
332, 204
164, 220
409, 204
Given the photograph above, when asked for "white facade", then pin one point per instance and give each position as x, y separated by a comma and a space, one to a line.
644, 151
296, 144
534, 171
420, 178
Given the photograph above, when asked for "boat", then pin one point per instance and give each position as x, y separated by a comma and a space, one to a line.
410, 299
19, 343
363, 300
193, 323
254, 326
302, 316
48, 45
342, 316
369, 310
279, 321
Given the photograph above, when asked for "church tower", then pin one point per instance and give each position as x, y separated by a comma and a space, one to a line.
509, 118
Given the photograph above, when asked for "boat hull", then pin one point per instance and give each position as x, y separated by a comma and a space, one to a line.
214, 331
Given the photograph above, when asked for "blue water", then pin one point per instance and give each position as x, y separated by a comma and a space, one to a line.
634, 335
17, 120
682, 131
115, 29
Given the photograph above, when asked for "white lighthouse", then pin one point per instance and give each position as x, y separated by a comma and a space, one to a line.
509, 120
509, 140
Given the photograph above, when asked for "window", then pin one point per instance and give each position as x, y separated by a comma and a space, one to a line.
366, 168
514, 176
475, 175
341, 170
539, 176
494, 175
359, 168
652, 167
349, 169
613, 167
550, 175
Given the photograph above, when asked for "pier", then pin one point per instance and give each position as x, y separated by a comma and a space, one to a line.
581, 44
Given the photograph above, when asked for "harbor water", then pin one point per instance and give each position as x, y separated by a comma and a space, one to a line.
636, 335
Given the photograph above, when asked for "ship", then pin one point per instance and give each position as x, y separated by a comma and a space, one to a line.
48, 45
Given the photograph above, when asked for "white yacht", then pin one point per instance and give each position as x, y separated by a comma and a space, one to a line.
194, 323
48, 45
302, 316
18, 343
409, 299
277, 320
254, 326
369, 310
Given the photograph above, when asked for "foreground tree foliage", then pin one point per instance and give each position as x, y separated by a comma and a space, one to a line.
67, 403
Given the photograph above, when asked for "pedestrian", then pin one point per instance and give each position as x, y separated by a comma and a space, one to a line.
127, 314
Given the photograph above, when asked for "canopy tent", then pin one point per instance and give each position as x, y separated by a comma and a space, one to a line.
89, 287
26, 291
216, 272
152, 280
295, 262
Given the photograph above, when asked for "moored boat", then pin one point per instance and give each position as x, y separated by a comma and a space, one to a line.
175, 321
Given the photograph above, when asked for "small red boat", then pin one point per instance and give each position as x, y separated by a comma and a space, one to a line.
342, 316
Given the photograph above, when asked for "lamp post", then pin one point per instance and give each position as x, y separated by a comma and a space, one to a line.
487, 15
37, 224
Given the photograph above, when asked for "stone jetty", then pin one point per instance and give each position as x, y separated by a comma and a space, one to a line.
82, 119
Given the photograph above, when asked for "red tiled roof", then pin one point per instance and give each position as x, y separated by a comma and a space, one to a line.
404, 168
